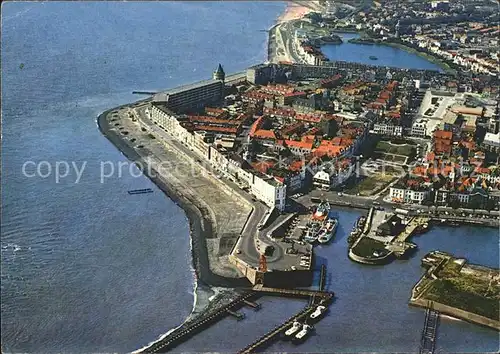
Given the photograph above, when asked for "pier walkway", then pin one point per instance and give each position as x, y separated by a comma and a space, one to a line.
428, 341
266, 339
179, 336
294, 292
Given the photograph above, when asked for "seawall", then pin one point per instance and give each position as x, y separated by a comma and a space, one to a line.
200, 224
458, 313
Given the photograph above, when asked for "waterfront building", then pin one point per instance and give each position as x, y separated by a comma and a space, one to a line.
194, 97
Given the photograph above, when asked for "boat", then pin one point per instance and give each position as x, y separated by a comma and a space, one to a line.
302, 335
312, 234
361, 222
318, 312
373, 57
321, 211
140, 191
328, 230
292, 330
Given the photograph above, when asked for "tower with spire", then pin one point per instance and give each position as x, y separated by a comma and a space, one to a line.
219, 74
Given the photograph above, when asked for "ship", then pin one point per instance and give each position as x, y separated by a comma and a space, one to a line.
373, 57
328, 230
321, 211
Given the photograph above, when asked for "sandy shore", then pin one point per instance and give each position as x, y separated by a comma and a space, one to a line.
293, 12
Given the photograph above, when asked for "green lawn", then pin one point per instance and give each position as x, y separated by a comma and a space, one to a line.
453, 293
366, 246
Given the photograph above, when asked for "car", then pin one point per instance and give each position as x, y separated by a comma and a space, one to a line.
238, 251
294, 268
340, 194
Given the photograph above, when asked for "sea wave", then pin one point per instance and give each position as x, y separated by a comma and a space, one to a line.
195, 302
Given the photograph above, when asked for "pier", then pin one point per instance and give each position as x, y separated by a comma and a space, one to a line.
324, 295
428, 341
183, 333
266, 339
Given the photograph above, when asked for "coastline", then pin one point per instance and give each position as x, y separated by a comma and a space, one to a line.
200, 225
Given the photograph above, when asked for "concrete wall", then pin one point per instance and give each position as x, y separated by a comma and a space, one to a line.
458, 313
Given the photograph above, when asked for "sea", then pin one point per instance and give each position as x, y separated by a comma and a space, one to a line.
85, 267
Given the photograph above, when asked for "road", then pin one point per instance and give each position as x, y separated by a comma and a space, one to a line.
250, 233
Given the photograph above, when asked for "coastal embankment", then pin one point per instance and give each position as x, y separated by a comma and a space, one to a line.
201, 226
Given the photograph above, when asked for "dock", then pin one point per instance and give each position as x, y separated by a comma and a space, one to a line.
324, 295
428, 341
184, 333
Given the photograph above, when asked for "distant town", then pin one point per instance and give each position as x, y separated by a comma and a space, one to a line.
282, 144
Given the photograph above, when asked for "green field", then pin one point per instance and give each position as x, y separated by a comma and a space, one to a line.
469, 292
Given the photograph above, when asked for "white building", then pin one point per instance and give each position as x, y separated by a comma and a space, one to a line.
419, 128
322, 180
388, 129
406, 195
492, 142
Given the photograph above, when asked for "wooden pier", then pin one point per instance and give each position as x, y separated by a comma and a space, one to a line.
428, 341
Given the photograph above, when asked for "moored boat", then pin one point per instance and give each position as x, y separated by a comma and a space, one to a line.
328, 230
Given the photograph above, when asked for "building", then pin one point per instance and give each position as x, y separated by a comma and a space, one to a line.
194, 96
388, 129
419, 128
403, 194
322, 180
491, 142
259, 74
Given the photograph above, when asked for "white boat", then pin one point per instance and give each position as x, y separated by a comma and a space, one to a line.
328, 230
319, 310
295, 327
303, 333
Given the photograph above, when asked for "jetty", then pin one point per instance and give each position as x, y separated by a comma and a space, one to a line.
185, 332
267, 338
428, 341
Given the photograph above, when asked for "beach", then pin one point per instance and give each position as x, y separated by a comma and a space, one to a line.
293, 11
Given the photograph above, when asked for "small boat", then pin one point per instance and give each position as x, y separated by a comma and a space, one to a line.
140, 191
361, 222
292, 330
302, 335
327, 232
311, 236
373, 57
318, 312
